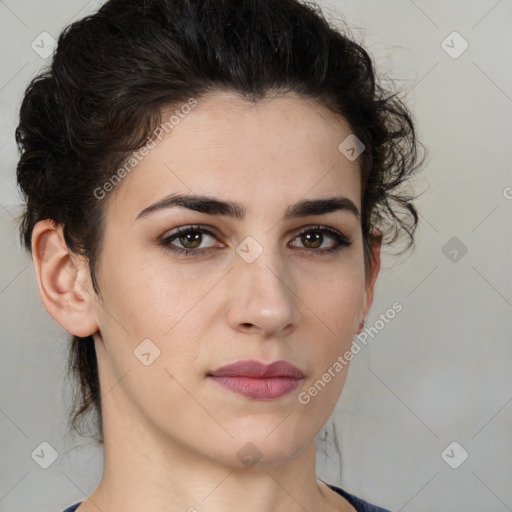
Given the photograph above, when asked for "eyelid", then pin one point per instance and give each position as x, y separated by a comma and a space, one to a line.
319, 227
175, 233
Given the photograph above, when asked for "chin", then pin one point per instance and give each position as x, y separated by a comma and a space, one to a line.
262, 449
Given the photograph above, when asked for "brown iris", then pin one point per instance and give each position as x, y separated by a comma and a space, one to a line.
315, 238
194, 238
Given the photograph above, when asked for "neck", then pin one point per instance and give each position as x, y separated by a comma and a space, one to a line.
143, 472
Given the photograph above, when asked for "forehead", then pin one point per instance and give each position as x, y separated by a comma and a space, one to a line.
277, 150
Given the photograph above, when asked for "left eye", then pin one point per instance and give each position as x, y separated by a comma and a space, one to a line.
312, 239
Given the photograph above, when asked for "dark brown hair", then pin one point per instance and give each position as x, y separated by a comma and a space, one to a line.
114, 71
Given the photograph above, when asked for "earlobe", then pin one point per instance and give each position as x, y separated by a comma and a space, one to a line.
63, 280
370, 279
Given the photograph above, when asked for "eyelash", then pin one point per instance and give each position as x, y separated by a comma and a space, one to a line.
341, 240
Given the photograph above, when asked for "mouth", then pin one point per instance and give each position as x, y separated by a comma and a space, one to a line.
257, 380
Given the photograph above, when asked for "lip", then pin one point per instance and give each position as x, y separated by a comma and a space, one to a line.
252, 368
258, 380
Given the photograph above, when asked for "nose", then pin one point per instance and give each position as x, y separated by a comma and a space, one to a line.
262, 297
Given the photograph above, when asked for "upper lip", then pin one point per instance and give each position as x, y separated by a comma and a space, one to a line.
251, 368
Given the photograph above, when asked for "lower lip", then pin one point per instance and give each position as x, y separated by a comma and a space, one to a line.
259, 387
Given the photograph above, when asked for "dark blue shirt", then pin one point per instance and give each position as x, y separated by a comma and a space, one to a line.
359, 504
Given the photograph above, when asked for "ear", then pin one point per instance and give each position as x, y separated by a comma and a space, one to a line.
63, 280
370, 278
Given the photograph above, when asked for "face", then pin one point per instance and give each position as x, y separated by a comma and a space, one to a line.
185, 292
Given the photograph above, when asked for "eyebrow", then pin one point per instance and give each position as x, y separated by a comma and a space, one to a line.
214, 206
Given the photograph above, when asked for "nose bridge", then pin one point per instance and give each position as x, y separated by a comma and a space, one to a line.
263, 270
263, 295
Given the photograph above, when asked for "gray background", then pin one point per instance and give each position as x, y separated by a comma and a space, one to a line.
439, 372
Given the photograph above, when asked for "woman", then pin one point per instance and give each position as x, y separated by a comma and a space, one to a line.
208, 186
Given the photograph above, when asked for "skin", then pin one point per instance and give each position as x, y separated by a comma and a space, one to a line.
171, 434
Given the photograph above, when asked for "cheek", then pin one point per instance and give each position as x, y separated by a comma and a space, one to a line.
332, 321
150, 299
335, 297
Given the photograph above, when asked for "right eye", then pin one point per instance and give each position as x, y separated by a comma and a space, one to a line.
190, 238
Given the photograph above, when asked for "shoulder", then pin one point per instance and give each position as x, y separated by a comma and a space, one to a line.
359, 504
72, 508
